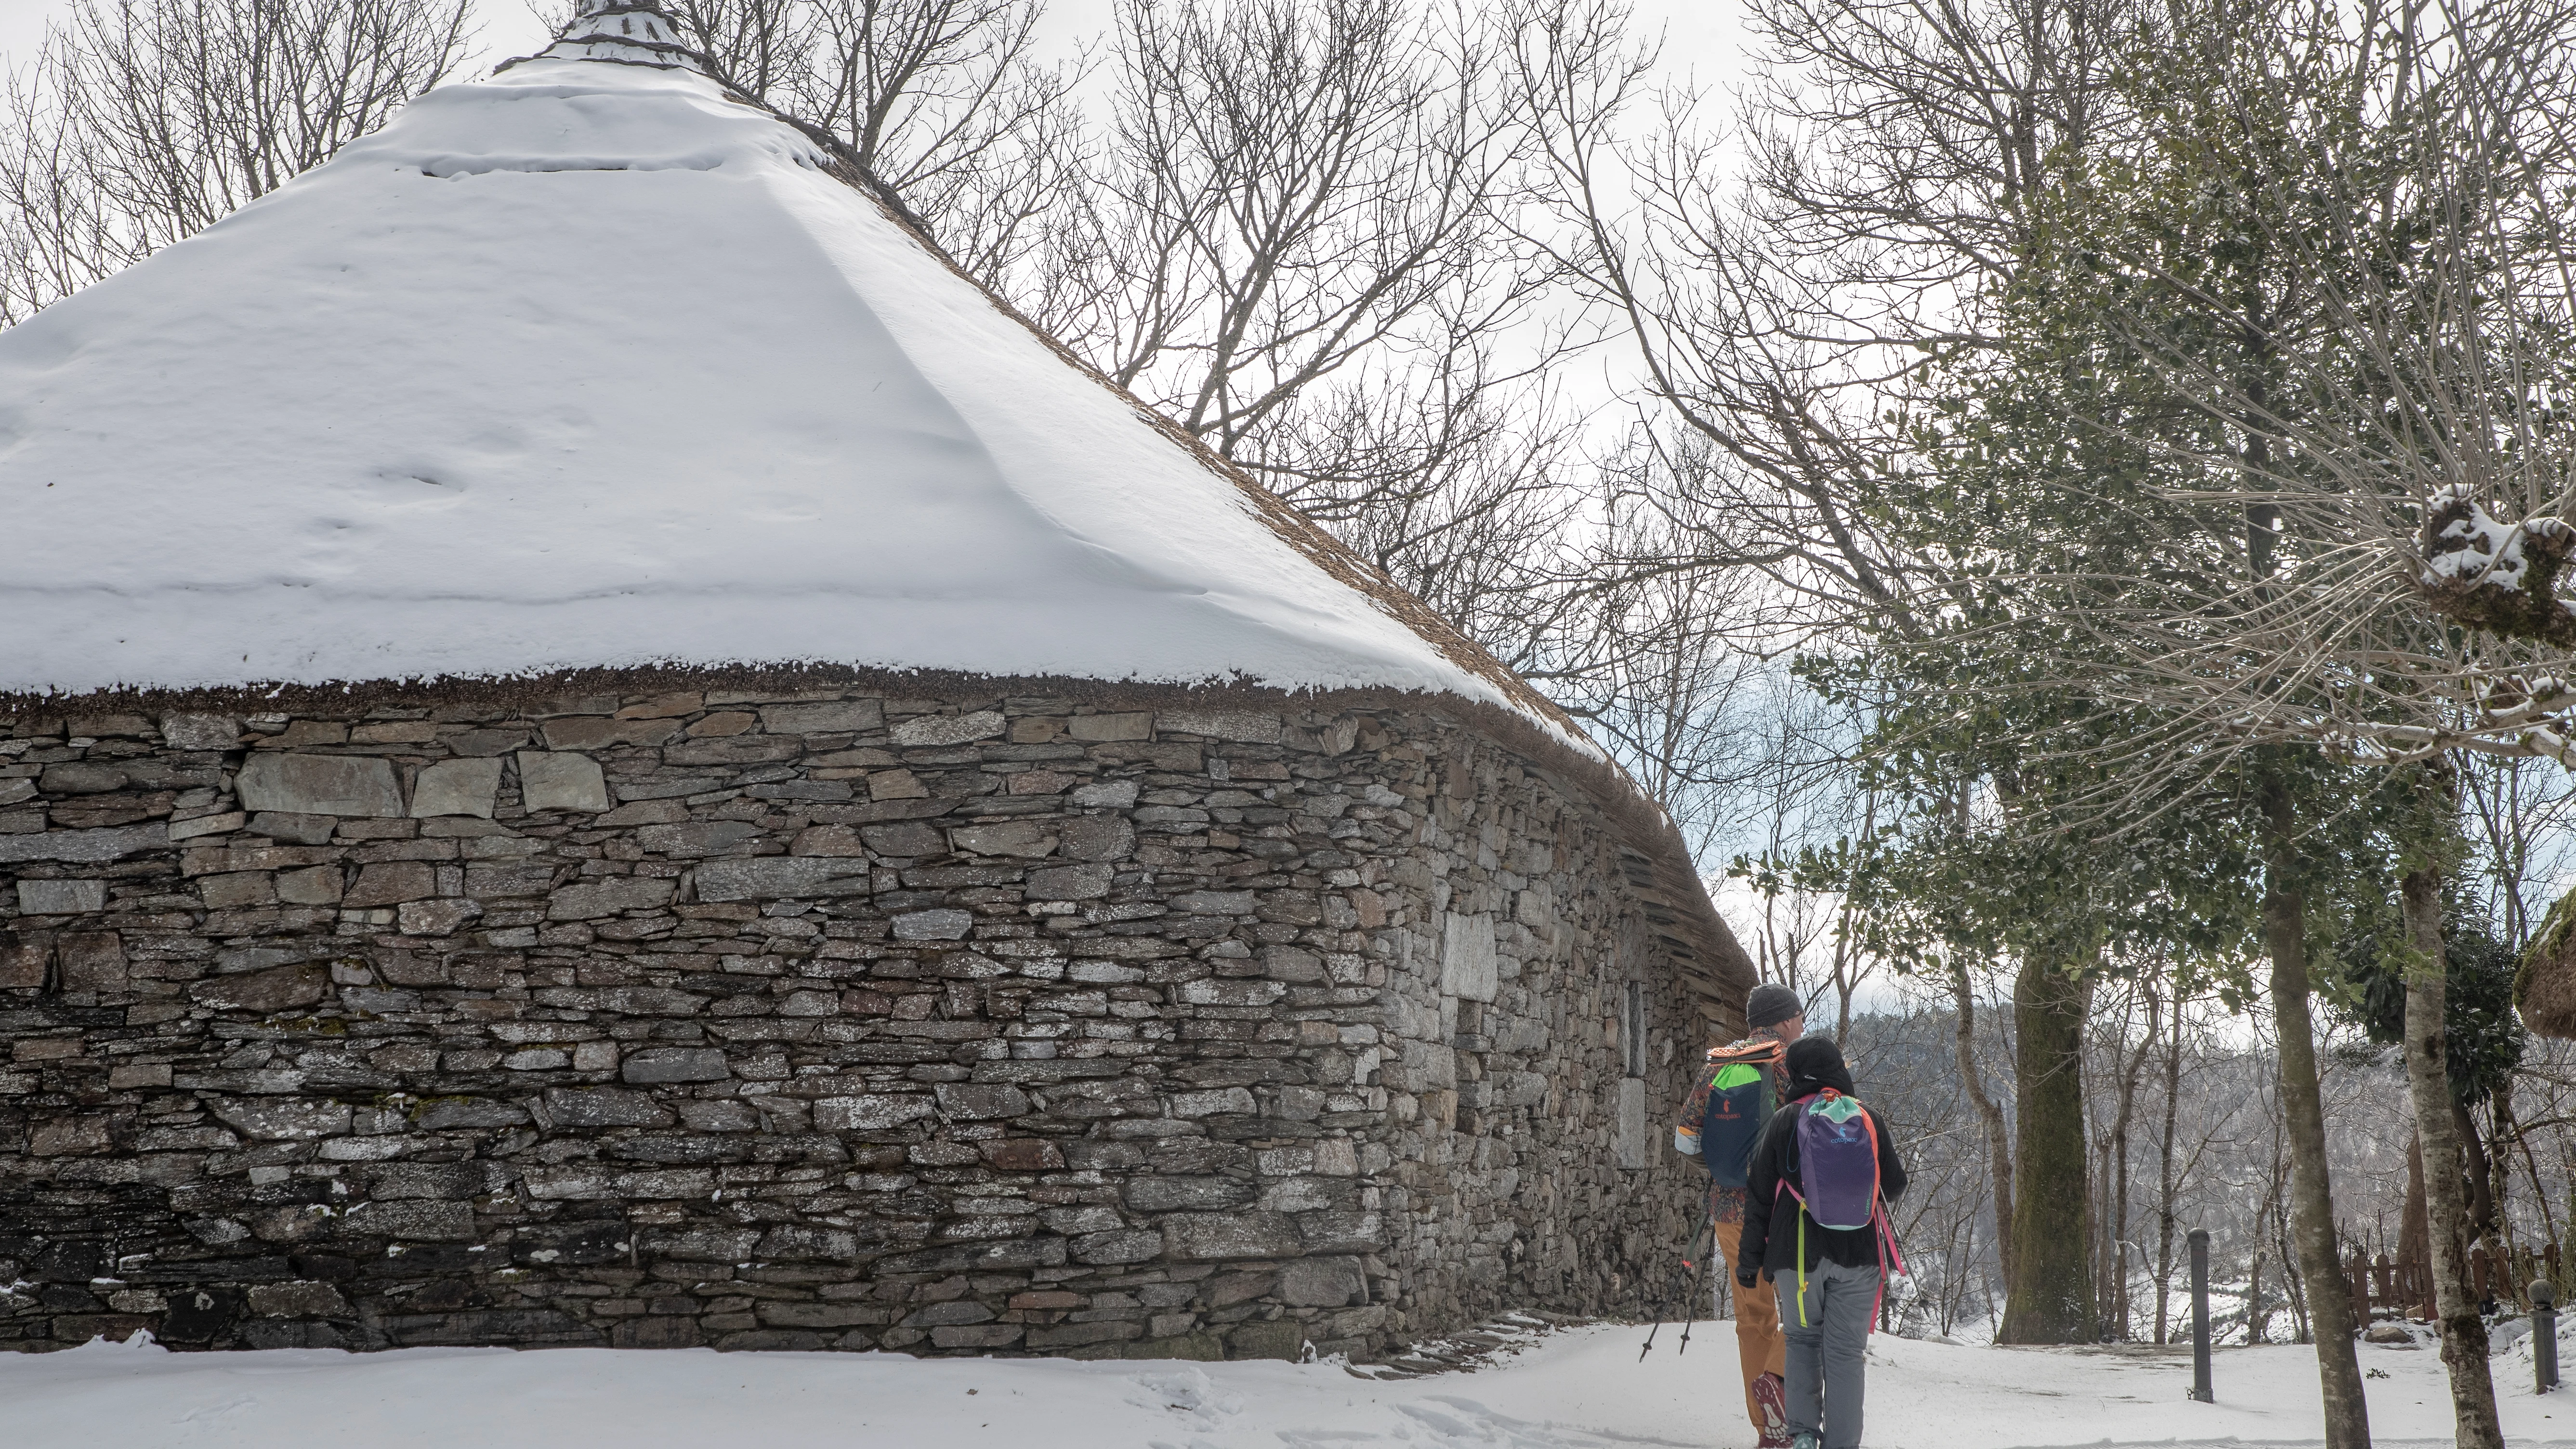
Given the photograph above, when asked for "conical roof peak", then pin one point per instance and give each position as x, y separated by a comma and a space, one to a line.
624, 32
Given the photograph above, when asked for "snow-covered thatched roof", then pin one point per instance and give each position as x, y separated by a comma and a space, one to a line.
596, 365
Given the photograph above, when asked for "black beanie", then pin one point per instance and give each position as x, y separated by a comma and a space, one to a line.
1815, 1063
1770, 1004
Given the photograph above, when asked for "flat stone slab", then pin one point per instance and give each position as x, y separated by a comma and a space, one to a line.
349, 785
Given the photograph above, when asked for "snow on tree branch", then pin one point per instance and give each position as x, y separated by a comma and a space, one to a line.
2478, 569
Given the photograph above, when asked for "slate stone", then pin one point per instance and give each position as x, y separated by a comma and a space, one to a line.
299, 1300
1002, 1257
1197, 1194
1107, 1249
1015, 837
828, 717
561, 780
1239, 725
1105, 794
1323, 1283
282, 1119
295, 829
775, 877
1224, 1100
1070, 883
933, 925
456, 787
605, 1107
87, 846
277, 989
595, 734
712, 837
390, 883
80, 779
675, 1064
457, 1113
200, 731
91, 961
907, 839
1340, 1232
1280, 1338
656, 1333
1217, 1237
591, 899
870, 1112
703, 1245
61, 897
318, 885
942, 729
806, 1245
1099, 837
980, 1101
362, 786
415, 1221
444, 1181
1106, 727
573, 1244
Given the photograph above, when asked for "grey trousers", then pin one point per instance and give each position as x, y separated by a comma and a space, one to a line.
1827, 1328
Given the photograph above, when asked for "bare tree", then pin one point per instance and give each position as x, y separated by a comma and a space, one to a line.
142, 122
945, 102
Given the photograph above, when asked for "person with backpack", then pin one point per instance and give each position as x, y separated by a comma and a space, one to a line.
1822, 1176
1731, 1098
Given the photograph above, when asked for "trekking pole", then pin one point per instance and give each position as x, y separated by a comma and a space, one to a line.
1699, 1275
1692, 1248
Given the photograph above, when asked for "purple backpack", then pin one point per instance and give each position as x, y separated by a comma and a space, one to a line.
1837, 1160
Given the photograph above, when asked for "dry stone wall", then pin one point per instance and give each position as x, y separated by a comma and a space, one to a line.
816, 1019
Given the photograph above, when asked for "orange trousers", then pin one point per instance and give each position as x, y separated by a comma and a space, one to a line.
1757, 1322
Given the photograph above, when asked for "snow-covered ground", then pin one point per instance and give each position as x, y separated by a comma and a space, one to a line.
1579, 1389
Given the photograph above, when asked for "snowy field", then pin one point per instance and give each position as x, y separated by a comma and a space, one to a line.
1580, 1389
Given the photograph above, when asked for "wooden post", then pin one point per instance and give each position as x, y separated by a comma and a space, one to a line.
2544, 1336
2360, 1275
2200, 1388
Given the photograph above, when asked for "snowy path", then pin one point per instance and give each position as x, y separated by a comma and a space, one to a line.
1582, 1389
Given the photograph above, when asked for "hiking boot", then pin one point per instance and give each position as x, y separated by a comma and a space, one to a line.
1806, 1441
1771, 1395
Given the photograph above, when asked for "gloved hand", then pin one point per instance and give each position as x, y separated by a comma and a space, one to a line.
1744, 1276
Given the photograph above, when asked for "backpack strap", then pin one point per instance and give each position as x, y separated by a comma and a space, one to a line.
1802, 1262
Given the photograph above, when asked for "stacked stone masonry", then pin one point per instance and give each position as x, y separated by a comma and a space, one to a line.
813, 1019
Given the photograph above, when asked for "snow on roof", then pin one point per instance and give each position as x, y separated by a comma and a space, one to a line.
593, 364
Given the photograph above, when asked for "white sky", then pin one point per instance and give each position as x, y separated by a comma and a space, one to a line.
1703, 32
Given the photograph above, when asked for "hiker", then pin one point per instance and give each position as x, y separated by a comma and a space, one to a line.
1821, 1178
1730, 1099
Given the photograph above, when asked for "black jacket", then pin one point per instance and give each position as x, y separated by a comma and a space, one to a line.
1771, 1214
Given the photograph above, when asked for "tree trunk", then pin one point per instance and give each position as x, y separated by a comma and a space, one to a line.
2048, 1294
1998, 1139
2254, 1314
2285, 907
2414, 1234
2166, 1187
2115, 1288
2428, 1085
